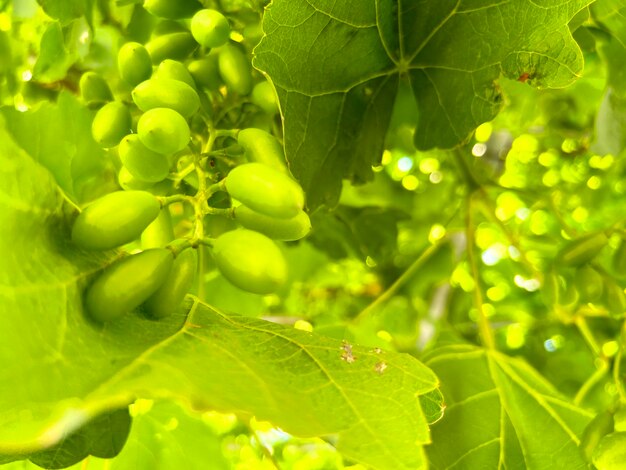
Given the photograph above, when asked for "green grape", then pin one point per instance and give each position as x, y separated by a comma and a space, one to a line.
167, 27
264, 97
94, 90
205, 72
265, 190
166, 93
128, 182
167, 299
235, 69
250, 261
110, 124
175, 46
262, 147
550, 290
210, 28
615, 299
619, 259
163, 130
174, 70
599, 427
589, 283
160, 232
134, 63
114, 220
581, 250
172, 9
127, 283
610, 454
141, 162
294, 228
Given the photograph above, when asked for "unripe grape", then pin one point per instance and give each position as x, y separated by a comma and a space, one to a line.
166, 93
163, 130
176, 46
168, 27
615, 299
210, 28
172, 9
599, 427
128, 182
235, 69
205, 72
610, 454
174, 70
110, 124
295, 228
250, 261
134, 63
582, 250
167, 299
127, 283
262, 147
114, 219
160, 232
94, 90
265, 190
264, 97
143, 163
619, 259
589, 283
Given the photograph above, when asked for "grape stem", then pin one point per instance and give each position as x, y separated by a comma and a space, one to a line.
398, 283
484, 327
206, 241
167, 200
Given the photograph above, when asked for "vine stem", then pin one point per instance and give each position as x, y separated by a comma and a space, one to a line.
484, 327
617, 365
398, 283
583, 327
591, 382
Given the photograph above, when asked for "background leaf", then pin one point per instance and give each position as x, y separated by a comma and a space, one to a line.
66, 10
58, 135
336, 69
500, 413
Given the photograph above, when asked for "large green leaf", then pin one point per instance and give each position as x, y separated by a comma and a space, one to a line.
66, 10
163, 437
501, 413
59, 369
337, 65
58, 135
610, 15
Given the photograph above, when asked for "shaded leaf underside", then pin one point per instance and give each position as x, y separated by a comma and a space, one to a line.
501, 414
336, 67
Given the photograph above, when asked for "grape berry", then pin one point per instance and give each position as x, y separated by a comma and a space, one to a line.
183, 124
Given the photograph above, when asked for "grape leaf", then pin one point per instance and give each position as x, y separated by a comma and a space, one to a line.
163, 436
66, 10
501, 414
336, 67
611, 16
54, 58
58, 135
103, 437
60, 369
361, 232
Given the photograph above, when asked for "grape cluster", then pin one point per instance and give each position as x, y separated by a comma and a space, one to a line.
168, 137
